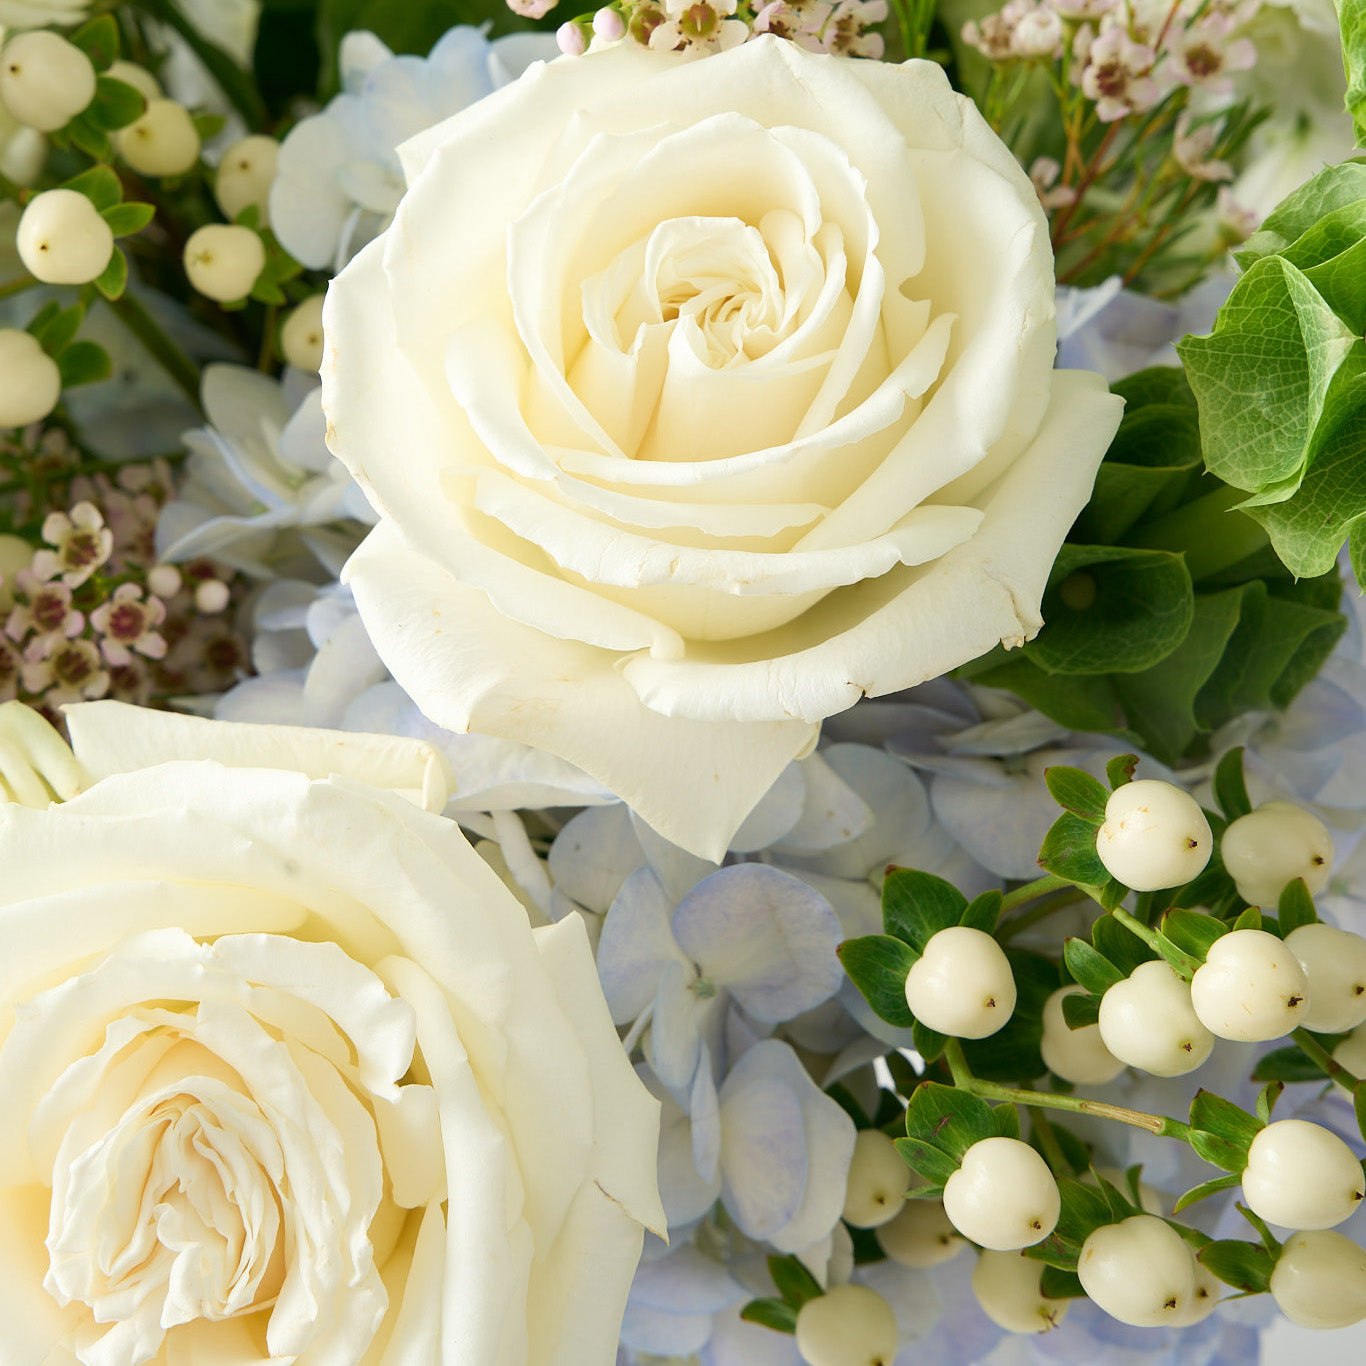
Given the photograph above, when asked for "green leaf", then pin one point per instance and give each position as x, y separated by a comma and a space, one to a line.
1079, 702
1352, 22
99, 40
877, 965
1069, 850
846, 1100
1262, 376
1206, 1188
916, 906
950, 1119
1230, 789
1267, 1098
929, 1043
1356, 551
1120, 769
56, 327
113, 279
1083, 1209
983, 911
770, 1313
1007, 1120
1287, 1064
1089, 968
99, 185
89, 137
1112, 609
1080, 1011
926, 1161
84, 362
1192, 931
208, 126
125, 219
1359, 1105
1160, 384
1222, 1117
1057, 1284
1120, 944
1077, 791
1012, 1053
1245, 1266
116, 104
1330, 190
1250, 918
795, 1283
1222, 1152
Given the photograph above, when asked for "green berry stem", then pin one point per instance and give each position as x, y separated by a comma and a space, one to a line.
1048, 1142
1324, 1059
1162, 1125
1030, 890
1184, 963
153, 336
19, 285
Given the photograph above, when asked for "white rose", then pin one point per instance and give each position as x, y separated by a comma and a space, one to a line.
699, 399
288, 1075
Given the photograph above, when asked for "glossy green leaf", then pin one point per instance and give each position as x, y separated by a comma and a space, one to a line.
1216, 1115
1230, 788
84, 362
1057, 1284
929, 1043
1089, 968
126, 219
877, 965
1222, 1152
1245, 1266
113, 279
1267, 1098
1192, 931
99, 185
1120, 769
795, 1283
950, 1119
116, 104
1205, 1189
1120, 944
1249, 918
927, 1161
1077, 791
99, 40
983, 911
1080, 1011
771, 1313
1352, 24
1287, 1064
56, 327
916, 905
1069, 850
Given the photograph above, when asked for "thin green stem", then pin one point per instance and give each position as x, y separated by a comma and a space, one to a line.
1325, 1059
1162, 1125
236, 83
19, 285
1048, 1142
153, 336
1019, 923
1030, 890
1177, 958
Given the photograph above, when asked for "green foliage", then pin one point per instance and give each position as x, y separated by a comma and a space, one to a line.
916, 906
1281, 381
113, 279
1192, 931
1287, 1064
795, 1283
1205, 1189
1012, 1053
116, 104
126, 219
948, 1120
99, 40
1077, 791
1090, 969
1069, 850
1166, 614
771, 1313
877, 965
1245, 1266
99, 185
1230, 788
84, 362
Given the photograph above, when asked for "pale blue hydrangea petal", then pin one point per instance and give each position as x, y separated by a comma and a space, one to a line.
594, 855
705, 1114
737, 1343
676, 1030
763, 1154
765, 935
678, 870
778, 811
686, 1196
661, 1333
635, 947
685, 1281
825, 1133
912, 1295
832, 812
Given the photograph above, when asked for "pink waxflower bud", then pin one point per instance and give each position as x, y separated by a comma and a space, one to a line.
531, 9
571, 39
609, 25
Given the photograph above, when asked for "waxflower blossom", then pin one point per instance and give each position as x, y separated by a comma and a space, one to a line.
127, 623
701, 25
82, 544
1117, 73
42, 611
64, 671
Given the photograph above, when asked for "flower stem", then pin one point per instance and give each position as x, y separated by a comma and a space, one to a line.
1325, 1059
1183, 962
153, 336
1162, 1125
1030, 890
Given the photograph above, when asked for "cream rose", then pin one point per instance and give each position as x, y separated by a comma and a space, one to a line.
698, 400
287, 1075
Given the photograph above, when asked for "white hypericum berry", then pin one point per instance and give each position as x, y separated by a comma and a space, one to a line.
30, 383
164, 141
1204, 1300
1006, 1285
1351, 1052
962, 984
850, 1325
222, 261
1002, 1196
1076, 1055
45, 81
1334, 961
244, 175
1319, 1280
1148, 1021
1272, 846
301, 336
138, 77
1301, 1175
877, 1183
1154, 836
62, 239
921, 1236
1250, 987
1140, 1271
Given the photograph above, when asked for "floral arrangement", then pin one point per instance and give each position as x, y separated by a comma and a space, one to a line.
682, 684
